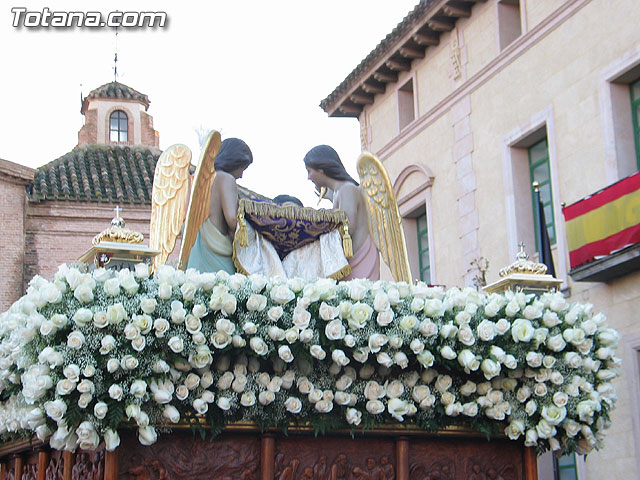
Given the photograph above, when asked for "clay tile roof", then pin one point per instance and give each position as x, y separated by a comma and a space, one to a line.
116, 90
420, 29
98, 173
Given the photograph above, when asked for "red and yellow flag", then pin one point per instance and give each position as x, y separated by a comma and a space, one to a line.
604, 222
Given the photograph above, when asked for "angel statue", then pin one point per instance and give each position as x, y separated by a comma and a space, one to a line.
376, 225
233, 229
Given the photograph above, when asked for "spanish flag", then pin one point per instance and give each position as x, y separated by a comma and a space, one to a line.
604, 222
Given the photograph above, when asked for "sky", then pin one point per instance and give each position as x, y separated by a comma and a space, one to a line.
256, 70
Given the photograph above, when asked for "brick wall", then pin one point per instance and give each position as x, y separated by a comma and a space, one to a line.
149, 135
13, 180
60, 232
88, 134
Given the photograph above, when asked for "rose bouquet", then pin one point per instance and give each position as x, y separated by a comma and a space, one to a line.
88, 353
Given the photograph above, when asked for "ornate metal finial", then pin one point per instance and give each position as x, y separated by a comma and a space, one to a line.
115, 58
536, 186
522, 255
523, 265
117, 232
118, 221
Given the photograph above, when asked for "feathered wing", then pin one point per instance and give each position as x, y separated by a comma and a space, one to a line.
169, 200
385, 223
200, 196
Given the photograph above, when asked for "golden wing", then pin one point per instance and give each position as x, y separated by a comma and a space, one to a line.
200, 196
168, 200
385, 223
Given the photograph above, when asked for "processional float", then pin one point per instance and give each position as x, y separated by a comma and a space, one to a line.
404, 380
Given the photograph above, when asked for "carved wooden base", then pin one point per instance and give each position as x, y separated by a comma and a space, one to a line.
255, 456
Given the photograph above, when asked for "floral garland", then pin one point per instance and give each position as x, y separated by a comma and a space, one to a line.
88, 353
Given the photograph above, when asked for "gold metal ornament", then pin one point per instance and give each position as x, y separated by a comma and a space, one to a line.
385, 223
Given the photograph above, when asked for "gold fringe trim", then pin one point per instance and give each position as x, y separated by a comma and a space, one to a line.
340, 274
266, 209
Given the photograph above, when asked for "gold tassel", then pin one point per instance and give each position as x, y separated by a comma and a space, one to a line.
347, 244
242, 236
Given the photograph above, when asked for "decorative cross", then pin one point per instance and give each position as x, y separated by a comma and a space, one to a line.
117, 210
522, 255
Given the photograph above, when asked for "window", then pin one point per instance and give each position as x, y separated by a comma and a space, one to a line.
406, 106
565, 468
423, 248
635, 113
539, 172
118, 127
509, 27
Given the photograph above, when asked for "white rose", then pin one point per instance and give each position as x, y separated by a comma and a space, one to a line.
359, 316
522, 330
385, 318
316, 351
353, 416
284, 352
486, 330
324, 406
293, 405
248, 399
275, 333
448, 330
467, 360
116, 313
75, 340
425, 358
550, 319
59, 320
223, 403
534, 359
249, 328
266, 397
86, 386
335, 330
375, 407
465, 335
147, 435
113, 365
129, 362
115, 392
397, 408
373, 390
490, 368
377, 341
281, 294
258, 346
394, 389
148, 305
175, 344
361, 355
468, 388
55, 409
192, 324
72, 372
540, 389
502, 326
82, 317
220, 340
470, 409
171, 413
306, 335
408, 323
448, 353
256, 302
443, 383
274, 313
515, 429
530, 407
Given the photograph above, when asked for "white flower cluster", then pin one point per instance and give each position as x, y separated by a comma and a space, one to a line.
110, 347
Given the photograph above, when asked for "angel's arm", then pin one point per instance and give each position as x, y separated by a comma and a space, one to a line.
228, 198
347, 199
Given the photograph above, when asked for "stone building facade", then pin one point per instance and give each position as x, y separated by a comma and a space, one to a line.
467, 102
